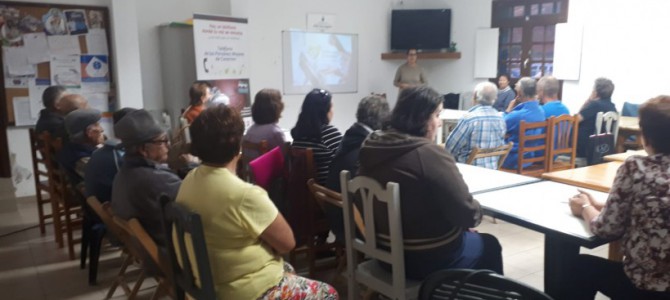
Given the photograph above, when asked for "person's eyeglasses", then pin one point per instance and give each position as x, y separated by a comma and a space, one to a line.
165, 141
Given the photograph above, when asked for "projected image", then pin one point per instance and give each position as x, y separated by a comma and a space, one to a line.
322, 60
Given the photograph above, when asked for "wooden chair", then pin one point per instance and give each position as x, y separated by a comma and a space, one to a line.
394, 284
152, 252
135, 247
475, 284
66, 209
562, 141
306, 218
501, 152
105, 213
250, 151
532, 149
41, 176
326, 198
190, 239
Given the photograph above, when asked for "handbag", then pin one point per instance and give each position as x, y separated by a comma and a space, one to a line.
598, 146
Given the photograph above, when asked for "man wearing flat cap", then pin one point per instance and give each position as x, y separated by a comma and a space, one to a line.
85, 135
144, 175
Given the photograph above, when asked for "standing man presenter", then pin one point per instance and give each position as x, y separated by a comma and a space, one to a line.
409, 74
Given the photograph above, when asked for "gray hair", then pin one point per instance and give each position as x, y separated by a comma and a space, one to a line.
527, 87
373, 111
604, 88
549, 85
486, 93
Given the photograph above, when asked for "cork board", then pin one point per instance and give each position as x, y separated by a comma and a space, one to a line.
41, 42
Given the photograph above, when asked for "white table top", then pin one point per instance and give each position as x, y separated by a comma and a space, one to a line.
481, 179
543, 205
452, 114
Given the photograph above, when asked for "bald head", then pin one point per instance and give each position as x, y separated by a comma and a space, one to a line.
71, 102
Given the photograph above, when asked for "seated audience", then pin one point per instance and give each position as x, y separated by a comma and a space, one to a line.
143, 176
50, 119
637, 212
247, 235
481, 127
547, 92
66, 104
313, 130
265, 112
85, 135
527, 109
104, 164
505, 94
599, 101
437, 210
199, 94
373, 111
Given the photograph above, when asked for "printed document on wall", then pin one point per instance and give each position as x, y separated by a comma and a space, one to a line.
66, 70
220, 47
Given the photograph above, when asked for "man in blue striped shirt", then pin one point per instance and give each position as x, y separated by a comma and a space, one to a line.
481, 127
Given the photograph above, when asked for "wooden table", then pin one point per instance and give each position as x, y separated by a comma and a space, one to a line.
624, 155
596, 177
543, 207
628, 126
449, 118
481, 180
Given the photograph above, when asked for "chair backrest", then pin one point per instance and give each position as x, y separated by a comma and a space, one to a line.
250, 151
40, 166
301, 208
630, 109
267, 167
563, 139
475, 284
532, 151
144, 243
501, 152
325, 196
368, 190
611, 121
59, 183
195, 280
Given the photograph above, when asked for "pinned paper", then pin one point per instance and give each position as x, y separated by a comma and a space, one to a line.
65, 70
36, 47
22, 112
63, 44
17, 61
96, 41
97, 101
94, 68
35, 92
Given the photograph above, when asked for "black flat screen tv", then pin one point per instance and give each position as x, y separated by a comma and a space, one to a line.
421, 29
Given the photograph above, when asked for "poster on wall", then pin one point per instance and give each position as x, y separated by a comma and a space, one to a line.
234, 93
220, 47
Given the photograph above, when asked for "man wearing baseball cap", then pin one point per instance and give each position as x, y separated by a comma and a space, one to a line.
84, 136
144, 175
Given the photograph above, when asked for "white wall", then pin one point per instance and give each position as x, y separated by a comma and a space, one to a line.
624, 41
371, 21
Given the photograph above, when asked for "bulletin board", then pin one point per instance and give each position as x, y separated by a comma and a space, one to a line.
52, 44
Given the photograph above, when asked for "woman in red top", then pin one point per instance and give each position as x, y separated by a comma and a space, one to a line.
199, 93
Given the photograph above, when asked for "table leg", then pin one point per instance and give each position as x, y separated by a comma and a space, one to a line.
559, 256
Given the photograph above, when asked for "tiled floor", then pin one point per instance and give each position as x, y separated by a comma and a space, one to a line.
32, 267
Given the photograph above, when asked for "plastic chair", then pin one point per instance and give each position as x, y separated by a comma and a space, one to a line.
501, 152
562, 141
475, 284
41, 176
393, 285
197, 286
611, 121
533, 140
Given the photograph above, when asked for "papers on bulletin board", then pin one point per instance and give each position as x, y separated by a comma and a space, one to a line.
96, 41
97, 101
63, 44
76, 21
35, 91
36, 47
65, 70
15, 81
17, 61
94, 68
22, 112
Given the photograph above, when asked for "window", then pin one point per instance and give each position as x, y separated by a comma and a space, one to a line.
527, 29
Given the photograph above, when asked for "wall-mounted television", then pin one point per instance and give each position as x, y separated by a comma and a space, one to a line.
422, 29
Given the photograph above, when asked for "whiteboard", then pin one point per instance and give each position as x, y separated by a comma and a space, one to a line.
568, 51
486, 53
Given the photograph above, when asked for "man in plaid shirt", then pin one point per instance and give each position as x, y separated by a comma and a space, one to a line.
482, 127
